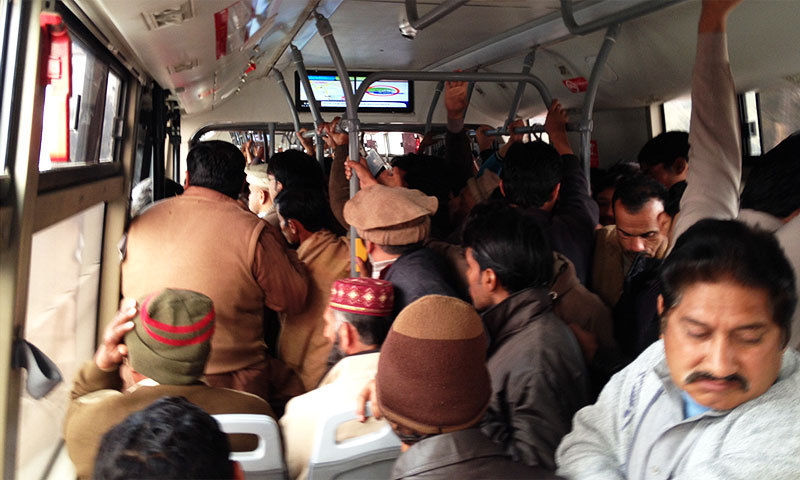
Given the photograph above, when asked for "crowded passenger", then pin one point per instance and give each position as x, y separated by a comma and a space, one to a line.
357, 320
548, 181
204, 241
603, 182
394, 223
150, 350
537, 372
305, 222
665, 157
433, 387
170, 439
259, 200
719, 395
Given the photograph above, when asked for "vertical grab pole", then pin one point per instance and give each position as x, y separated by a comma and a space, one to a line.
435, 100
278, 77
326, 32
527, 64
271, 139
297, 59
591, 95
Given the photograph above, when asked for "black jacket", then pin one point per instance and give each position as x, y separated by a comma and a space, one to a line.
419, 273
539, 379
463, 454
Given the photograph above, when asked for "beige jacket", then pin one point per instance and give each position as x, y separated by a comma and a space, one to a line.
302, 345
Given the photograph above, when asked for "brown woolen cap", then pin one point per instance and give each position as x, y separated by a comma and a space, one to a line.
432, 375
391, 215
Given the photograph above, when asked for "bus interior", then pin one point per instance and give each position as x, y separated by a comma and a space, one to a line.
99, 95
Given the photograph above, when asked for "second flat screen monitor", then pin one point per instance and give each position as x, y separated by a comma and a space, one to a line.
390, 96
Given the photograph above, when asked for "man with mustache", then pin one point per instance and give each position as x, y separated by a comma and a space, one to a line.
719, 395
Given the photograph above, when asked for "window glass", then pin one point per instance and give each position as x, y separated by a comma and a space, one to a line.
61, 321
113, 95
86, 111
780, 114
677, 114
4, 99
750, 126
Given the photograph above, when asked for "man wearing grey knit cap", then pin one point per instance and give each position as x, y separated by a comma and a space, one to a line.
433, 387
394, 222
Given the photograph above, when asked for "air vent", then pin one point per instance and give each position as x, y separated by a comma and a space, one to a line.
182, 67
169, 16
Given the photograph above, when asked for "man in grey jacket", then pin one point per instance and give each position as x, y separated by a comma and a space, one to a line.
719, 395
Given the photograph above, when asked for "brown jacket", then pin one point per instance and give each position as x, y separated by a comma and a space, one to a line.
574, 303
204, 241
302, 345
97, 405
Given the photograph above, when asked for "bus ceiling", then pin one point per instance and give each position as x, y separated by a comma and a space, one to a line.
205, 52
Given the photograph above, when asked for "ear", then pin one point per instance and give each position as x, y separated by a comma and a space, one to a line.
369, 246
660, 304
263, 197
278, 187
664, 221
679, 165
292, 224
502, 190
346, 336
186, 179
489, 280
554, 193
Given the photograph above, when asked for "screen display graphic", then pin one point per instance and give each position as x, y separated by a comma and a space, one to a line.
395, 96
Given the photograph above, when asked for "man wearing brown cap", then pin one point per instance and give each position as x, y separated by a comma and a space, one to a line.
433, 387
394, 223
205, 241
165, 344
356, 321
539, 378
259, 200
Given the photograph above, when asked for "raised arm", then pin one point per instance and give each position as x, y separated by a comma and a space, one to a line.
715, 155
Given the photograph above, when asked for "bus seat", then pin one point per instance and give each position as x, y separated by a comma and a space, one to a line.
368, 456
266, 461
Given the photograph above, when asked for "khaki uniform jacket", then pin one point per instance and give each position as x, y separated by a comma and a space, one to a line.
206, 242
98, 404
337, 392
302, 345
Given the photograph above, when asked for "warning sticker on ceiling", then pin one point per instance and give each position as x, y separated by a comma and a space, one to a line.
576, 85
231, 29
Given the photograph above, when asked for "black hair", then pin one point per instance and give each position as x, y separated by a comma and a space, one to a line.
715, 250
216, 165
603, 179
172, 438
372, 330
674, 195
309, 207
511, 243
664, 149
429, 175
773, 185
530, 173
293, 168
634, 191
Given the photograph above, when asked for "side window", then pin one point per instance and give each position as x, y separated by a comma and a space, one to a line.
94, 107
677, 113
779, 109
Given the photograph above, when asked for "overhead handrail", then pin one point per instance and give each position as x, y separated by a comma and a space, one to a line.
297, 59
591, 94
527, 65
434, 102
413, 23
644, 8
454, 77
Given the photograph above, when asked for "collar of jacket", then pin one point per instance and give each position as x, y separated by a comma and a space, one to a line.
513, 314
208, 193
443, 450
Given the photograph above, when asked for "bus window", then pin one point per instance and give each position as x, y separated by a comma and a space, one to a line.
92, 113
677, 113
780, 113
751, 129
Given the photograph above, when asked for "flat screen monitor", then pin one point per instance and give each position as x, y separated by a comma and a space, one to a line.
390, 96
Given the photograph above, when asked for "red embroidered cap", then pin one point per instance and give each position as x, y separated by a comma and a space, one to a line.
364, 296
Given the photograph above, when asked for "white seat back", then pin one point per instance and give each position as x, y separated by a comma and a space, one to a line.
367, 456
266, 461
